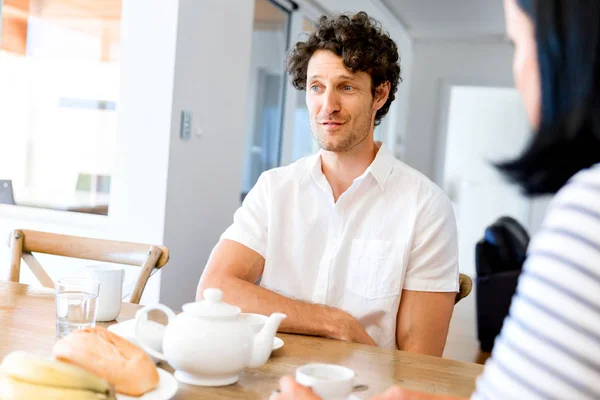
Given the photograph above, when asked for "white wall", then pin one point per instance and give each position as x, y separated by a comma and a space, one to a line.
205, 174
148, 46
436, 65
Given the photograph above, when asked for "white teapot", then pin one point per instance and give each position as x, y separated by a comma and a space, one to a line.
208, 344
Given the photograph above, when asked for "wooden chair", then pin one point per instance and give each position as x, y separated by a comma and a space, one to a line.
25, 242
465, 284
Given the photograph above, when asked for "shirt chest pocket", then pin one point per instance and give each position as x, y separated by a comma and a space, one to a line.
375, 268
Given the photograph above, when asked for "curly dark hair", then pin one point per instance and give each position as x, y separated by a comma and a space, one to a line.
362, 44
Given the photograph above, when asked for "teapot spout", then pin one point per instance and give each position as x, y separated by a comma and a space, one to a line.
263, 340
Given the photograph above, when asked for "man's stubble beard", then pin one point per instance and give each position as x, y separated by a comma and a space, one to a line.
350, 141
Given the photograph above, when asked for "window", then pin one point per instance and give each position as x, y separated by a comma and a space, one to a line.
59, 80
303, 143
266, 92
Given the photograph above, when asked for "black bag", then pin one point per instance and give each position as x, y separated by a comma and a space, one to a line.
499, 257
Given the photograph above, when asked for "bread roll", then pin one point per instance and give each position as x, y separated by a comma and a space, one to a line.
110, 357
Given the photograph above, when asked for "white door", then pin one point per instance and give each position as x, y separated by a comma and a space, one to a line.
485, 124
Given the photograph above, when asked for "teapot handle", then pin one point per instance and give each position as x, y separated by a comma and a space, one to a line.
143, 315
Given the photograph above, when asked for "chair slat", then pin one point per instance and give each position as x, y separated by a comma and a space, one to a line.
87, 248
25, 242
39, 271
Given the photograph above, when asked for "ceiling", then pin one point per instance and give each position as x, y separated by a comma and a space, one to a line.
450, 19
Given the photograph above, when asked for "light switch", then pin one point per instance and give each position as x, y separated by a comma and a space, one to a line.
186, 124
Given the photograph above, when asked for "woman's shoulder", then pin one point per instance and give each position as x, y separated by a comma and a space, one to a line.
582, 189
573, 217
590, 176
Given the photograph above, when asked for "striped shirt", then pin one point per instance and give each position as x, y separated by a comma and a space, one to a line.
549, 347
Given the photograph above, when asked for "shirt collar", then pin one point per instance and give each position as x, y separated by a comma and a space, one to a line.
380, 168
382, 165
314, 168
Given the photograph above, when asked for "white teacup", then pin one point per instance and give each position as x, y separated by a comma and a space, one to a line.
329, 381
257, 321
111, 289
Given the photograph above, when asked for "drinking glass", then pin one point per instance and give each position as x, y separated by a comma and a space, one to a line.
76, 305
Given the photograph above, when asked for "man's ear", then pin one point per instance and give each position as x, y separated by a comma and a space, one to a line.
382, 92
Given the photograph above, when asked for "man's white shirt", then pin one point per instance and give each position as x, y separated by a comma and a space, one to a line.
393, 229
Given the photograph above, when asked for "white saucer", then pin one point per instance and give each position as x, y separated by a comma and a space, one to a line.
277, 343
152, 333
167, 387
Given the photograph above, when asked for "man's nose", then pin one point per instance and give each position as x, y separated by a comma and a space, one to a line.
331, 101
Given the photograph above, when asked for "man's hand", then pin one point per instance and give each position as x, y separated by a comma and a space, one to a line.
350, 330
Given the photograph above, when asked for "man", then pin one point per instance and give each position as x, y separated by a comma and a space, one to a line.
350, 243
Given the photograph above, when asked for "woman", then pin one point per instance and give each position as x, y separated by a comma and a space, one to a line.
549, 346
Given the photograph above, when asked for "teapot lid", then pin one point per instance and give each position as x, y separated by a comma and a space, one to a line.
211, 306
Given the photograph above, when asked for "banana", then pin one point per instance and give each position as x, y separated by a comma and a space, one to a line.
40, 371
15, 389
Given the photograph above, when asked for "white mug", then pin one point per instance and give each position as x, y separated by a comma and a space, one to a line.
111, 289
329, 381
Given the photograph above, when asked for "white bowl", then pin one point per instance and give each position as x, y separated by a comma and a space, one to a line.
152, 333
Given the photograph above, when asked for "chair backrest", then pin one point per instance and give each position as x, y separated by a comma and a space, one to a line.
499, 258
25, 242
502, 248
465, 284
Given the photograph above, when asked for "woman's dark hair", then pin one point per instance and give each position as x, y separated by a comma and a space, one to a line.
568, 138
363, 46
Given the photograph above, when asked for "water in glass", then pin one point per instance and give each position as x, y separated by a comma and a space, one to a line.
74, 310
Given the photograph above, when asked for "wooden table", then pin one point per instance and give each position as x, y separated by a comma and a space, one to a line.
27, 321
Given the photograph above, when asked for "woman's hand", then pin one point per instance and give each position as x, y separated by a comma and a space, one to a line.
292, 390
398, 393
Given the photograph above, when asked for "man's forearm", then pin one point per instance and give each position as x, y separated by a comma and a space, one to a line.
303, 318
